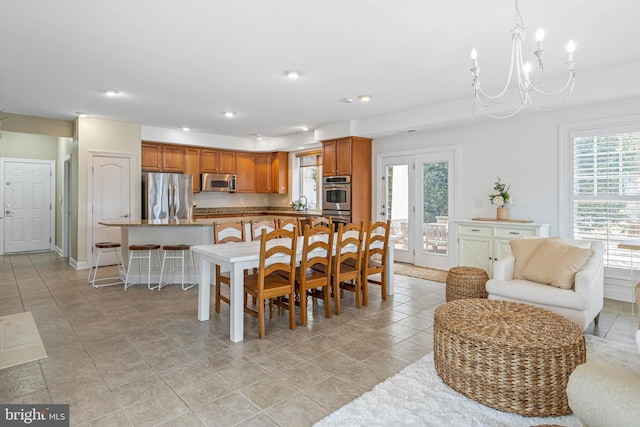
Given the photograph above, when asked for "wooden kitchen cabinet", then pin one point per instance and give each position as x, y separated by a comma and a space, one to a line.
246, 173
280, 172
337, 156
151, 157
351, 156
263, 172
192, 166
172, 158
218, 161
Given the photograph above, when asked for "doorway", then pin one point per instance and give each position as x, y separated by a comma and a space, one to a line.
397, 206
417, 194
29, 191
110, 198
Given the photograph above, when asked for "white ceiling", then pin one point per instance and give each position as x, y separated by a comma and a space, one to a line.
185, 62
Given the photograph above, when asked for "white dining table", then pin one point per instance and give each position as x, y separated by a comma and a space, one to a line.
236, 257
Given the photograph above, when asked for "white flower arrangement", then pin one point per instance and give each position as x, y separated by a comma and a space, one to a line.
500, 195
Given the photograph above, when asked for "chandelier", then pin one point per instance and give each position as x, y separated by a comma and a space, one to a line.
528, 87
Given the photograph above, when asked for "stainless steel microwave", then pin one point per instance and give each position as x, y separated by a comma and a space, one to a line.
218, 182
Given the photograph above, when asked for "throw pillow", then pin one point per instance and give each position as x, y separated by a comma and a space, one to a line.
522, 250
556, 264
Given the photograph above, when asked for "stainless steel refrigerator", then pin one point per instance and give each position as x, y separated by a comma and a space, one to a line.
167, 196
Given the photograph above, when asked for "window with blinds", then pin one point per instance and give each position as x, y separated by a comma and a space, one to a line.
605, 194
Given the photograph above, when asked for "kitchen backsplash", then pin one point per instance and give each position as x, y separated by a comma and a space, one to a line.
216, 200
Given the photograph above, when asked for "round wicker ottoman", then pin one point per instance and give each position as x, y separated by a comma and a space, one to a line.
466, 282
510, 356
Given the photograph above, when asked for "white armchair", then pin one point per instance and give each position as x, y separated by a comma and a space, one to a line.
581, 304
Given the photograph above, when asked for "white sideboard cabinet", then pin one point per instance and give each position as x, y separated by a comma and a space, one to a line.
481, 243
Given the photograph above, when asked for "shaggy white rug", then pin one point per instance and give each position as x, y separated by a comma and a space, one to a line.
416, 396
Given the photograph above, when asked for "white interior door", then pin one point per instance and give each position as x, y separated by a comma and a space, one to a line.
398, 204
110, 199
27, 206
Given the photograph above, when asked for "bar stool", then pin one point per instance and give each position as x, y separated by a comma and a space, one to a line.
174, 252
107, 247
137, 252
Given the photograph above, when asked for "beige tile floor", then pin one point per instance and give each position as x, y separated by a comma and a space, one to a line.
142, 358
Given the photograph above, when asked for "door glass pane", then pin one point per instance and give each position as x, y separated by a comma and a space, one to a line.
435, 216
398, 203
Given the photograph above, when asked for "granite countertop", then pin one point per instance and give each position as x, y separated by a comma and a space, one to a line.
157, 222
240, 211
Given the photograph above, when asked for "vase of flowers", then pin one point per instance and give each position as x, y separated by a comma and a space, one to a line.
500, 197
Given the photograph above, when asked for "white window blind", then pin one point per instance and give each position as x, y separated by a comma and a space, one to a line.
605, 194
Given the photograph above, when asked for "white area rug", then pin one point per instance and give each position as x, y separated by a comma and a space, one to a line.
19, 340
416, 396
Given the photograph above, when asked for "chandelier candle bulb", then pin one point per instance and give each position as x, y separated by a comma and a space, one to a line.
540, 37
474, 57
571, 48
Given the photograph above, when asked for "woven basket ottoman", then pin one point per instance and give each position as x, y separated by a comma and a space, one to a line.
510, 356
466, 282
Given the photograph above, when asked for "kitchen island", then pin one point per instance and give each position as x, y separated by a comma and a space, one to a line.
161, 232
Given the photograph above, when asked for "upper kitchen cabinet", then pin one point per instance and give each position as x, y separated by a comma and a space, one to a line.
172, 158
151, 157
217, 161
192, 166
156, 157
246, 176
263, 172
338, 155
280, 172
341, 156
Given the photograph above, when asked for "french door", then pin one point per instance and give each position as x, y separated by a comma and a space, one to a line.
435, 201
416, 194
398, 205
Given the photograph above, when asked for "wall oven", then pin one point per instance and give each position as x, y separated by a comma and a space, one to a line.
336, 193
336, 198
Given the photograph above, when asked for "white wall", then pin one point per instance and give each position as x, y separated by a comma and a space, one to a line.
523, 151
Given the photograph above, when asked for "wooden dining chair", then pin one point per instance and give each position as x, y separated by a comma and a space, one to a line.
289, 223
225, 232
374, 258
322, 220
347, 263
314, 273
257, 226
276, 277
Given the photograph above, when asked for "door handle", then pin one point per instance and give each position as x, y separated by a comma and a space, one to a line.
125, 215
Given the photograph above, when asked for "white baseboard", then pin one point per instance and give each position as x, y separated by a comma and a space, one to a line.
58, 250
78, 265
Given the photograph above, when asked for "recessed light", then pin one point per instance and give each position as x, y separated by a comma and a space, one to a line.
229, 114
110, 92
300, 148
304, 128
81, 114
365, 98
185, 128
292, 74
347, 100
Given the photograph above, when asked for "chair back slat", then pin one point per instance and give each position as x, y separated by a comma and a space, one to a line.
225, 232
257, 226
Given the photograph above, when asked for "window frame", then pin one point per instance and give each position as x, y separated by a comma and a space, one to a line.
318, 154
567, 132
